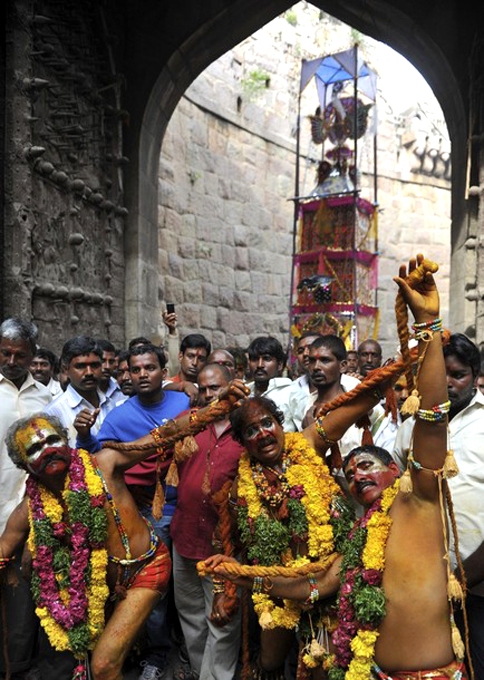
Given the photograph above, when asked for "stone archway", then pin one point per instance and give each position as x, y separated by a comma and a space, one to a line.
383, 22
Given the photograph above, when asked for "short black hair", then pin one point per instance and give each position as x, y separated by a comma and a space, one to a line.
195, 340
377, 451
105, 345
238, 416
465, 350
148, 348
124, 355
266, 345
80, 345
141, 340
47, 355
308, 334
333, 343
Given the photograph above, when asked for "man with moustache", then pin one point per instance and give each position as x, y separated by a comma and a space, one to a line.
20, 396
303, 391
212, 637
123, 375
43, 368
108, 384
267, 360
78, 507
369, 356
82, 358
466, 430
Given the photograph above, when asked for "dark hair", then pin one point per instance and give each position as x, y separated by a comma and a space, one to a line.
148, 348
351, 351
239, 415
377, 451
124, 356
195, 340
48, 355
333, 343
17, 329
105, 345
266, 345
139, 341
239, 355
80, 345
11, 439
465, 350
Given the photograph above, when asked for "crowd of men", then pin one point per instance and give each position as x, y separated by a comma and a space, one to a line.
99, 393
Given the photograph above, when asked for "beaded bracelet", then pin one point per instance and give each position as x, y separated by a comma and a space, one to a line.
435, 414
313, 590
432, 325
258, 584
322, 432
425, 330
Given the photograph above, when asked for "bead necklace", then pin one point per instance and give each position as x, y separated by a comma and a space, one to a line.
270, 493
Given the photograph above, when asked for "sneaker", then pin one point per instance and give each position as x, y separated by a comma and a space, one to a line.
151, 672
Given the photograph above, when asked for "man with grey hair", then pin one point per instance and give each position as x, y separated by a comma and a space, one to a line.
20, 396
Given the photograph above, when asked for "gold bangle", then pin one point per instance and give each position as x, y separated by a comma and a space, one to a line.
322, 432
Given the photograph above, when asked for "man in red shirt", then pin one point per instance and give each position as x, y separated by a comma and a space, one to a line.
212, 641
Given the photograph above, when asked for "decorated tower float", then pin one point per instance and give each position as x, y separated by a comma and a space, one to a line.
334, 272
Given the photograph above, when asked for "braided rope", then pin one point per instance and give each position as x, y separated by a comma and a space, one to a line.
236, 569
168, 434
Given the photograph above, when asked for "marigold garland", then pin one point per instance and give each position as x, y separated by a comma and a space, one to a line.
70, 557
361, 603
306, 520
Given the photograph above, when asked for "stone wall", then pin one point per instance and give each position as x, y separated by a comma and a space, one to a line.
226, 178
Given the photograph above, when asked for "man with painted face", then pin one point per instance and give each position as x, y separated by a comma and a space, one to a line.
271, 526
466, 430
395, 615
20, 395
88, 540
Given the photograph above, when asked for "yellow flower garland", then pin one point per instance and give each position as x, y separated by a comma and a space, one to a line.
98, 591
306, 469
373, 557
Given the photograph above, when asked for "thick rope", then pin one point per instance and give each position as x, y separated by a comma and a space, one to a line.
236, 569
224, 531
165, 436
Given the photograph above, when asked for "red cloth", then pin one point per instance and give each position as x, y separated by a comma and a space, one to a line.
195, 516
155, 575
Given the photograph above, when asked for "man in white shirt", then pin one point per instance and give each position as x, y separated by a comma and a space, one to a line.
43, 368
466, 429
82, 358
20, 396
267, 360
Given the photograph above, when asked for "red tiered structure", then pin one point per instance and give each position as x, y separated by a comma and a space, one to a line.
335, 262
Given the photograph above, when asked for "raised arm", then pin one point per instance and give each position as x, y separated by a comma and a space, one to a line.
430, 432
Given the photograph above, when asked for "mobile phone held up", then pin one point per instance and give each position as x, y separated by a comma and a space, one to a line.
170, 308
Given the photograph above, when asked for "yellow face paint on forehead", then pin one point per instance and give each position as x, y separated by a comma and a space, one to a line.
36, 429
